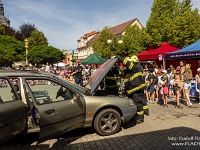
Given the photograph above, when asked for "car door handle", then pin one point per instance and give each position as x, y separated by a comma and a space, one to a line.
50, 111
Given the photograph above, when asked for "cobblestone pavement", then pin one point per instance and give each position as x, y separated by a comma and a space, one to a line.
165, 128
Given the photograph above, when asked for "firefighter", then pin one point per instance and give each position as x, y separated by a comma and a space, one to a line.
111, 81
134, 80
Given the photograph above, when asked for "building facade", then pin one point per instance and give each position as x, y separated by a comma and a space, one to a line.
3, 20
70, 57
85, 42
83, 49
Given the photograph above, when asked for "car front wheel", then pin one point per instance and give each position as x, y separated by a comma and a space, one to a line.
107, 122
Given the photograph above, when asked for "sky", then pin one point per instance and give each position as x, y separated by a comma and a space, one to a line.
63, 22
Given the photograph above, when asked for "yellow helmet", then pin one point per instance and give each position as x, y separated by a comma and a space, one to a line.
134, 59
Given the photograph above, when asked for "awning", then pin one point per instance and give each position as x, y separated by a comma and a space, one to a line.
153, 53
93, 59
190, 52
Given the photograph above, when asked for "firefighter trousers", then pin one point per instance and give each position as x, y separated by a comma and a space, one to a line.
141, 103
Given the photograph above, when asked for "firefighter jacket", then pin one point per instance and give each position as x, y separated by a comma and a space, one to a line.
134, 78
112, 78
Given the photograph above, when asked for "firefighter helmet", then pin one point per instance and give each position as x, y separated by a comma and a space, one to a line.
134, 59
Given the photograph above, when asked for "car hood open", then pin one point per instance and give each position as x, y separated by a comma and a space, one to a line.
99, 74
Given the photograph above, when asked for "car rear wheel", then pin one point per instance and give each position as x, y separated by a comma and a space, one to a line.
107, 122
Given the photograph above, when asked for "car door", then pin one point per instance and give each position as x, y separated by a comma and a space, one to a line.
58, 108
12, 111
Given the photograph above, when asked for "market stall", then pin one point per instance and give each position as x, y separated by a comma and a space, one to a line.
157, 53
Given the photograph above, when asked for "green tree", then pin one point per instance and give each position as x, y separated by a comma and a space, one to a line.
187, 25
25, 31
133, 41
2, 30
42, 54
37, 38
100, 46
159, 25
9, 30
11, 50
174, 22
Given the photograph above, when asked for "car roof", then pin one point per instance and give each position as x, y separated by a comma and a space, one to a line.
24, 73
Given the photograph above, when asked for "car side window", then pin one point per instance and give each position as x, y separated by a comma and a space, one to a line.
45, 91
6, 91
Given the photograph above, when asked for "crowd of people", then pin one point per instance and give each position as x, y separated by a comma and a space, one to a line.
146, 83
162, 85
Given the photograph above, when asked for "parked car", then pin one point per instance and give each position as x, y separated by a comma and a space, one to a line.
45, 103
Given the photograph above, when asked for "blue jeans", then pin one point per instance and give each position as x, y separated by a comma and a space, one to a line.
79, 81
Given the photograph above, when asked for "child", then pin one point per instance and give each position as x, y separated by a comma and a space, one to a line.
164, 78
121, 86
197, 79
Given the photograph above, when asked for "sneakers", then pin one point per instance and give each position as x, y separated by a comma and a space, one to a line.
169, 97
199, 103
150, 102
178, 107
189, 104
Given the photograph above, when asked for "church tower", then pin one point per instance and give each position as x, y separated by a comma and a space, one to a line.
3, 19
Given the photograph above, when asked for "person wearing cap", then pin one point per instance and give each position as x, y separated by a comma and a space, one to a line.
165, 79
177, 84
197, 79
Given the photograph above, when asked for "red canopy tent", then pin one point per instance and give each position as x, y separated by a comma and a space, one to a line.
152, 53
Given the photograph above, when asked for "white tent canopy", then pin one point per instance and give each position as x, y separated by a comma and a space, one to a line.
60, 64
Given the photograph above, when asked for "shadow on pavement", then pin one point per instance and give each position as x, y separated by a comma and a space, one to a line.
174, 138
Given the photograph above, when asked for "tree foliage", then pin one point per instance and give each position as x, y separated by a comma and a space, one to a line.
42, 54
160, 23
37, 38
100, 46
9, 30
2, 30
174, 22
25, 31
11, 50
133, 41
187, 25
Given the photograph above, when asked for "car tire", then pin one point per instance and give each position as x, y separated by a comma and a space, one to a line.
107, 122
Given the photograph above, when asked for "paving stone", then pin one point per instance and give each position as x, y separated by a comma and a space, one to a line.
154, 134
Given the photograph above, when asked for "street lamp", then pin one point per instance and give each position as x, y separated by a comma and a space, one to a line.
26, 46
74, 57
109, 41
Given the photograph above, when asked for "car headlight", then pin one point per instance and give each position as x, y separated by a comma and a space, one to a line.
131, 102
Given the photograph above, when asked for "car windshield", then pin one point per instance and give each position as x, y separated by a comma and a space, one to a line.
81, 89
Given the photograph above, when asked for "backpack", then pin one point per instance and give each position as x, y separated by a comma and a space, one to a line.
155, 80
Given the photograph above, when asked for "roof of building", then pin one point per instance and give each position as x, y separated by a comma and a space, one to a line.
3, 19
116, 30
88, 34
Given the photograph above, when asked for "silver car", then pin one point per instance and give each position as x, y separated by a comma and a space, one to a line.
42, 102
